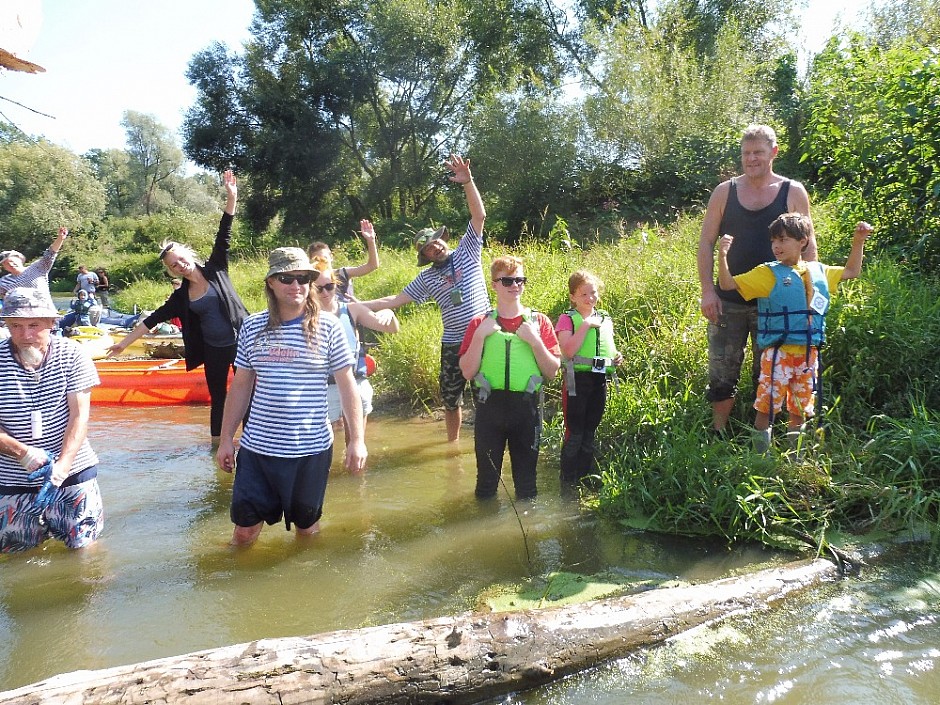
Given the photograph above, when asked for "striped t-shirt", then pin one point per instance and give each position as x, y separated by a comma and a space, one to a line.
463, 271
35, 276
288, 417
67, 369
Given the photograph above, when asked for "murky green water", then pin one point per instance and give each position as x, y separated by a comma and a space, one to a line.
409, 541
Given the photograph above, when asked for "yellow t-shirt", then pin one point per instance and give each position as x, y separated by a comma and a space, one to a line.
760, 281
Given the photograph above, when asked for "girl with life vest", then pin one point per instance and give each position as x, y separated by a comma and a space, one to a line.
508, 353
792, 300
351, 315
586, 336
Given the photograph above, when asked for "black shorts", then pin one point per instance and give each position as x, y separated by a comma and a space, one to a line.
268, 487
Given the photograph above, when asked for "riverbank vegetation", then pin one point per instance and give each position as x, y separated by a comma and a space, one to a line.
613, 179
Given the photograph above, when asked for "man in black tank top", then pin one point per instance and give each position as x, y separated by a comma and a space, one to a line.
744, 207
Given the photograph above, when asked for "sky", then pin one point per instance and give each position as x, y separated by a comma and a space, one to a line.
103, 57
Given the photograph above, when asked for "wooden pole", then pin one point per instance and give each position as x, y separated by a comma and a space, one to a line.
461, 659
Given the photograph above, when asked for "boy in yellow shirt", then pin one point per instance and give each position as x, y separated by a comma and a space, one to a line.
793, 298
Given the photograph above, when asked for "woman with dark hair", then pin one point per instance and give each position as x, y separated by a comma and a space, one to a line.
207, 305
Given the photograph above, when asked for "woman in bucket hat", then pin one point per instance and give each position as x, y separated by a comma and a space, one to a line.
35, 275
207, 305
285, 357
455, 282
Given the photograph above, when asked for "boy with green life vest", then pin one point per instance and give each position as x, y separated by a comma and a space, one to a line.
508, 353
793, 297
586, 337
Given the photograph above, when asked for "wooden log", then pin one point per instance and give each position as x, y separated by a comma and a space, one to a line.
461, 659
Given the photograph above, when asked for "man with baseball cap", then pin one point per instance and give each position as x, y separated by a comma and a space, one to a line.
455, 281
35, 275
48, 470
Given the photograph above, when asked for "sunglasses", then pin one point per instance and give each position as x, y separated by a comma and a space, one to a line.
327, 287
169, 246
291, 278
509, 281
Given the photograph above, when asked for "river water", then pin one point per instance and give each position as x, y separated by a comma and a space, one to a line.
409, 541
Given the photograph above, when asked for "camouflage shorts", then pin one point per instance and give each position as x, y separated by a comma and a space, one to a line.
451, 378
76, 518
727, 342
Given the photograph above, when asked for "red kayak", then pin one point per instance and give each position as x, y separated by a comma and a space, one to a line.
149, 382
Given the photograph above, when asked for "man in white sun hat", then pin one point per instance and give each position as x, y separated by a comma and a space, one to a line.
455, 282
48, 470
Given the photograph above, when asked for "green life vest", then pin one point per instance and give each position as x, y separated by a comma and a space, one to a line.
598, 350
508, 362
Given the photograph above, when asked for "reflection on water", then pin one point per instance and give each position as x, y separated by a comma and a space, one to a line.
409, 541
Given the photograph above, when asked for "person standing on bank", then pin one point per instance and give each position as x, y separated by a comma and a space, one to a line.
285, 355
455, 281
35, 275
207, 305
48, 470
743, 207
509, 353
103, 288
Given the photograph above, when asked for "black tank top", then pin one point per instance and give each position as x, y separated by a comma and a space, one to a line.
751, 245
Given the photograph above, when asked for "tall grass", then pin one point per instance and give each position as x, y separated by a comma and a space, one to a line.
877, 467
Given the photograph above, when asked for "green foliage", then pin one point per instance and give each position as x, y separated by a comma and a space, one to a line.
873, 136
43, 187
883, 334
354, 98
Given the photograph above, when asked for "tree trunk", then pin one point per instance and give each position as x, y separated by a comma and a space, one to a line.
462, 659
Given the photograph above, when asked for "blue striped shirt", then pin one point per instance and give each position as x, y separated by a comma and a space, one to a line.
68, 369
463, 271
288, 417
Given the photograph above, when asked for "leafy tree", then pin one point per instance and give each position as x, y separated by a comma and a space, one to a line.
112, 168
873, 138
363, 98
525, 194
154, 158
44, 186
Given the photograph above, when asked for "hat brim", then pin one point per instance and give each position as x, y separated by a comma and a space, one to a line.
442, 233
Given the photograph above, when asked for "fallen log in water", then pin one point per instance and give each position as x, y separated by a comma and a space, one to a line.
462, 659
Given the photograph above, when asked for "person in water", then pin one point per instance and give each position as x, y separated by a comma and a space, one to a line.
586, 337
207, 305
793, 297
285, 357
345, 275
508, 353
35, 275
351, 315
455, 281
48, 470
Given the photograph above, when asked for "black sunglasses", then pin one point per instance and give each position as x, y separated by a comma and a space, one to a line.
327, 287
291, 278
509, 281
169, 246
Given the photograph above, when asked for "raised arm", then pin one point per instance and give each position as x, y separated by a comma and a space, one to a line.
462, 175
372, 250
60, 239
853, 266
725, 280
231, 191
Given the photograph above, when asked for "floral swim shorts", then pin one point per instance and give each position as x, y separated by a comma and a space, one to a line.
75, 517
793, 376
